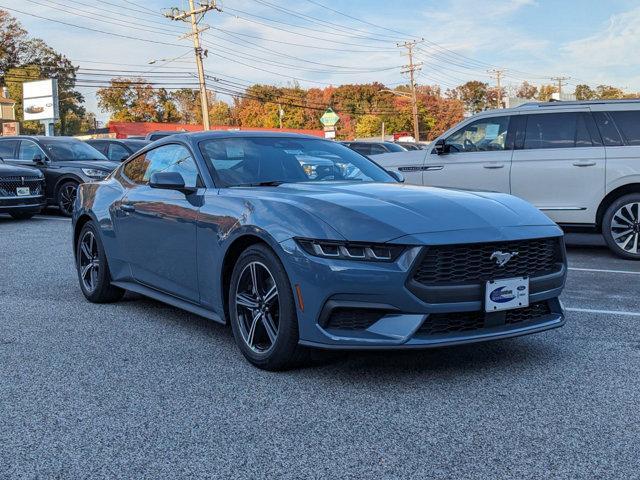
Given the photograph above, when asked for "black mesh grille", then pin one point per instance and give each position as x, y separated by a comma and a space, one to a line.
457, 322
472, 263
8, 185
532, 312
354, 318
441, 323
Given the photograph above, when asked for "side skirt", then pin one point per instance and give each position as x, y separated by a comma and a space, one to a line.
169, 299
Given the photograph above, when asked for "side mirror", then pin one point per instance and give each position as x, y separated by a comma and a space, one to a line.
440, 147
397, 175
170, 181
38, 160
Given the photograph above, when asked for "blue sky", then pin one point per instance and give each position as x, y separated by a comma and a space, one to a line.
590, 41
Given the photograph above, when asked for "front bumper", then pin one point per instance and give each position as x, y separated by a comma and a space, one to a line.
29, 204
380, 310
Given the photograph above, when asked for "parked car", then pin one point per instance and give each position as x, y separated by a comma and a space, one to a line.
21, 190
117, 150
579, 162
232, 226
157, 135
65, 161
410, 145
374, 148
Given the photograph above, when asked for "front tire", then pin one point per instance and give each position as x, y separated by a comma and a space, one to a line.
262, 310
66, 197
93, 269
621, 226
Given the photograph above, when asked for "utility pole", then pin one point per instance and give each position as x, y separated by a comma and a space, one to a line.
498, 73
410, 69
195, 15
280, 115
560, 81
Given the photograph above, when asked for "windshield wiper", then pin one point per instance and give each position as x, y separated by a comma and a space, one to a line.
270, 183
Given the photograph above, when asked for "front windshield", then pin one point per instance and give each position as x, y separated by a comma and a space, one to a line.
70, 149
255, 160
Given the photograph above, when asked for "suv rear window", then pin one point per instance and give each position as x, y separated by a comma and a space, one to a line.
629, 125
556, 130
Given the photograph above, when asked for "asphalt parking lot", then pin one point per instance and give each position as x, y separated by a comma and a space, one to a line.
138, 389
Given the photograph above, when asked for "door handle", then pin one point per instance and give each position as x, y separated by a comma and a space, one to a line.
433, 167
584, 164
493, 165
127, 208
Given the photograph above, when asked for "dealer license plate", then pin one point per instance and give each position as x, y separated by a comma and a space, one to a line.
506, 294
23, 191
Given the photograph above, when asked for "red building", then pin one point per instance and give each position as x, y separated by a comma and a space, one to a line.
129, 129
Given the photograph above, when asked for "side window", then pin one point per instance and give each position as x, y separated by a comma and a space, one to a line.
377, 149
608, 130
172, 158
100, 146
361, 148
134, 170
556, 130
629, 125
8, 149
117, 152
484, 135
28, 150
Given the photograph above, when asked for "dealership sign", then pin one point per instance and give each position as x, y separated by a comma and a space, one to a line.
40, 100
330, 118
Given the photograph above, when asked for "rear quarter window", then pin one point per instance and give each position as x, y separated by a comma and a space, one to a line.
629, 126
8, 148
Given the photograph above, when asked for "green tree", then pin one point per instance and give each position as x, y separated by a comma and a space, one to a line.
584, 92
369, 126
473, 94
129, 100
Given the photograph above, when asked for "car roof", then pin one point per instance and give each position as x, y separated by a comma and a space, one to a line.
199, 136
39, 137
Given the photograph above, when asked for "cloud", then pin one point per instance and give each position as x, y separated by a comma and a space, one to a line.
613, 46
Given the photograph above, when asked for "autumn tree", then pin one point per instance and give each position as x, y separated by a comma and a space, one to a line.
526, 90
607, 92
545, 92
368, 126
472, 94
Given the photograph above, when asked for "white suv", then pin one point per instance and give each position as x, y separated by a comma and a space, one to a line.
579, 162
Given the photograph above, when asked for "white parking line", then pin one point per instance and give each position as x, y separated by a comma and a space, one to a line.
599, 270
606, 312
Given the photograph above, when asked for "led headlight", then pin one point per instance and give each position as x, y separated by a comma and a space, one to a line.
94, 173
372, 252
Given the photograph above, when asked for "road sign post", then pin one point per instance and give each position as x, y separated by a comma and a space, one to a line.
329, 119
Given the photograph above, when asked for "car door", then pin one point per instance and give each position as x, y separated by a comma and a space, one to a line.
28, 152
559, 165
157, 227
477, 156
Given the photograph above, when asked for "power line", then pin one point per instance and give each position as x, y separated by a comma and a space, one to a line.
195, 15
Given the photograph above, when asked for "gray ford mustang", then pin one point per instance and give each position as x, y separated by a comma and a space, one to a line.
301, 242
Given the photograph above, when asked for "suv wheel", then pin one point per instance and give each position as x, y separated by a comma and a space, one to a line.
621, 226
262, 310
66, 197
93, 269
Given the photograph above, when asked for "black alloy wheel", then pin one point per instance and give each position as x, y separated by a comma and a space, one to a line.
621, 226
262, 310
93, 269
66, 197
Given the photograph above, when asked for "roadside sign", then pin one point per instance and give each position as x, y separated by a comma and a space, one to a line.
329, 118
330, 134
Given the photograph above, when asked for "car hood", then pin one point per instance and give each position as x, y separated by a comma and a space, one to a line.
12, 170
98, 164
380, 212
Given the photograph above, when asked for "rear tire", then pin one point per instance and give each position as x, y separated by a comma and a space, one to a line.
93, 268
263, 319
621, 226
66, 197
21, 215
